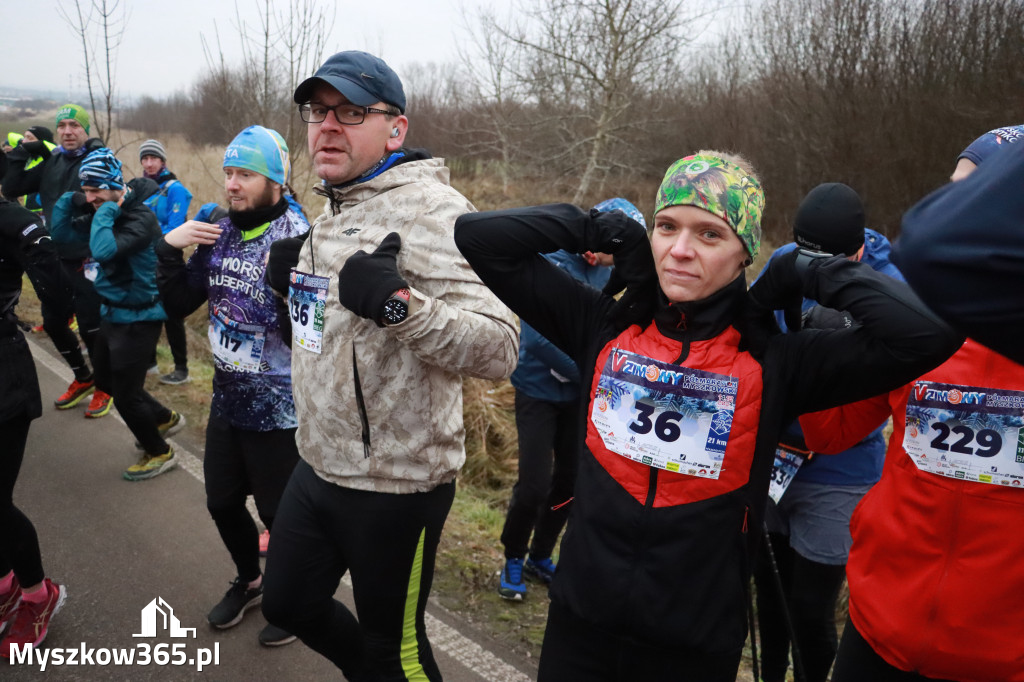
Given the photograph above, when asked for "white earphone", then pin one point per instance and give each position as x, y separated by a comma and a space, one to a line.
395, 132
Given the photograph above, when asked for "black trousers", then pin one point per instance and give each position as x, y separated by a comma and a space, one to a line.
239, 463
56, 327
87, 304
545, 484
858, 662
120, 360
19, 545
811, 591
388, 543
175, 328
575, 650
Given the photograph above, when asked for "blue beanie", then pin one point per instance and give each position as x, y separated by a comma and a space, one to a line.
990, 142
101, 169
622, 206
262, 151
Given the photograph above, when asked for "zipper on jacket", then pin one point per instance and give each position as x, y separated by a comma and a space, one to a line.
652, 488
361, 405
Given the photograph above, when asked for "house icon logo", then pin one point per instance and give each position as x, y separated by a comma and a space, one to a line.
158, 615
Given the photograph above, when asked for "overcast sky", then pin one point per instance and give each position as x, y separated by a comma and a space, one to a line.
162, 52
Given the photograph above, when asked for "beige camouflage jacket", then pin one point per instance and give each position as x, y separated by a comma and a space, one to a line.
410, 374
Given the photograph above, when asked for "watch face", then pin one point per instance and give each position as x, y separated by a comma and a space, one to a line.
395, 310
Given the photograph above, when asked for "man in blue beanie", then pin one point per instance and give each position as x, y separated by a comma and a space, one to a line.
250, 435
110, 220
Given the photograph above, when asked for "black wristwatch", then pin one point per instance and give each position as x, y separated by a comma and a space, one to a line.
396, 308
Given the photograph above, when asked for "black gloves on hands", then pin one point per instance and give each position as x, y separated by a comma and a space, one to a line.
79, 200
36, 148
367, 280
284, 255
626, 240
782, 285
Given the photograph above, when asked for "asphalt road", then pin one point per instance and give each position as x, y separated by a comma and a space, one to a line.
119, 545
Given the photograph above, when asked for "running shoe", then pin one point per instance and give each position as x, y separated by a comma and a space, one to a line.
541, 569
511, 585
38, 329
32, 620
171, 426
272, 635
237, 600
76, 391
9, 605
149, 466
168, 428
264, 542
178, 376
100, 404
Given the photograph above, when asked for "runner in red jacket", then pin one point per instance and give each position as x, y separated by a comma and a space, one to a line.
936, 582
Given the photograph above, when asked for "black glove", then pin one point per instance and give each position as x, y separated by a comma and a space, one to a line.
820, 317
79, 200
626, 240
284, 255
35, 148
367, 280
781, 287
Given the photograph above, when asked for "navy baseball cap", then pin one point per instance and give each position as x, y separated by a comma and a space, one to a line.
990, 142
361, 77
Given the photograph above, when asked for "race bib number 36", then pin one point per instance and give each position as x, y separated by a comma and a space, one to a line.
307, 302
967, 433
664, 415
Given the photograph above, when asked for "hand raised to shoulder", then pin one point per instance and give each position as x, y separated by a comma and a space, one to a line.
192, 232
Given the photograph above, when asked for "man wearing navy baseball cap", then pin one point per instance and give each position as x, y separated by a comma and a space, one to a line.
386, 317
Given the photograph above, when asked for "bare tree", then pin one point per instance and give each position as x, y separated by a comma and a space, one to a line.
493, 88
589, 64
110, 19
279, 50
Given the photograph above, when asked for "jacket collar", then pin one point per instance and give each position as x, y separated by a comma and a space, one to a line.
703, 319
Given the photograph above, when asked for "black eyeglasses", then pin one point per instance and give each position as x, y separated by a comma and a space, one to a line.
346, 114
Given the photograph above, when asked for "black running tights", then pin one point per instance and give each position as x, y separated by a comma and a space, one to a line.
19, 545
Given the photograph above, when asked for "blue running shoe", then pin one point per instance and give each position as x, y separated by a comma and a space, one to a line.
541, 569
511, 586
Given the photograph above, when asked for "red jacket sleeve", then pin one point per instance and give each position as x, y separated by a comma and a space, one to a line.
836, 429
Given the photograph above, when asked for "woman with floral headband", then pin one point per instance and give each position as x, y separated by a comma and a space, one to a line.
690, 385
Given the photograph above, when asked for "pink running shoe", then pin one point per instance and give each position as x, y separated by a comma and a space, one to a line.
32, 620
9, 605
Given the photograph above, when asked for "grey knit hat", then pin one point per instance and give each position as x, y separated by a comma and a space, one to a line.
152, 148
